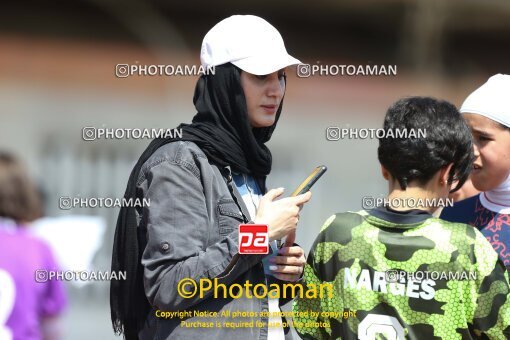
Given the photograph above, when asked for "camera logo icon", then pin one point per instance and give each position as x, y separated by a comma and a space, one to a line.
89, 133
65, 203
392, 276
41, 275
304, 70
368, 202
122, 70
333, 133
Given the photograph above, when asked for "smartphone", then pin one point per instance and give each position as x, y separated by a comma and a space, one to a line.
306, 185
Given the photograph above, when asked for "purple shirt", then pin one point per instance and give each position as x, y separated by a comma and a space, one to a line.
23, 300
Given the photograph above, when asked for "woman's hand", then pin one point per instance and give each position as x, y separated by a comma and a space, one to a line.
289, 264
282, 215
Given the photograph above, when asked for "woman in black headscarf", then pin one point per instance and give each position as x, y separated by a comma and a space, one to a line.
201, 187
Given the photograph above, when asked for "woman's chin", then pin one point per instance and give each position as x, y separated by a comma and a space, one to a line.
263, 123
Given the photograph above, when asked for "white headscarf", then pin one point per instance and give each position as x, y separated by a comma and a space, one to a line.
492, 100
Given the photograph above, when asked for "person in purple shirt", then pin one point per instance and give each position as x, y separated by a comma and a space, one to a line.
487, 111
29, 307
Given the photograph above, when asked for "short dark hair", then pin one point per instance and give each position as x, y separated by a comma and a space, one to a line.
447, 140
19, 198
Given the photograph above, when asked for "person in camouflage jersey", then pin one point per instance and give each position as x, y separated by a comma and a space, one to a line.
398, 272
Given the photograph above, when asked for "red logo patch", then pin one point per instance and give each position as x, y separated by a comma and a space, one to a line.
253, 239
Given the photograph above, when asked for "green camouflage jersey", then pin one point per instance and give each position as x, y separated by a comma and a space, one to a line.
402, 276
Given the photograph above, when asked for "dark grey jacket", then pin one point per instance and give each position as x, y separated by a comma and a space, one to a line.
195, 210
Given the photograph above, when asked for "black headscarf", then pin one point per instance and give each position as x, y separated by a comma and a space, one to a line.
222, 130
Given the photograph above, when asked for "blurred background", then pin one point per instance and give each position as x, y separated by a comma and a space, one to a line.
57, 76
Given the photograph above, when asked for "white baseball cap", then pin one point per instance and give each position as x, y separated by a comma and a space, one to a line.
247, 41
491, 100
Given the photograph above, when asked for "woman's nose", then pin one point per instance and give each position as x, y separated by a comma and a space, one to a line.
276, 87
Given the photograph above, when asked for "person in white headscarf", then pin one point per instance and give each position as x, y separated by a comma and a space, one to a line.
487, 111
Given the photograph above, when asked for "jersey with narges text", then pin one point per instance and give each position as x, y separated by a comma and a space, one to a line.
427, 280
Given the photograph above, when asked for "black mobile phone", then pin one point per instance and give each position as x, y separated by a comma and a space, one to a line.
307, 185
310, 180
